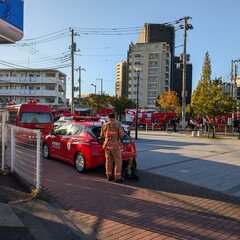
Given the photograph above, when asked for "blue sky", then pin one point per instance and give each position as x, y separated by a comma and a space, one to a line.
215, 22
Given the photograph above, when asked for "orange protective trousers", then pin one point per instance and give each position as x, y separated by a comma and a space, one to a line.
113, 156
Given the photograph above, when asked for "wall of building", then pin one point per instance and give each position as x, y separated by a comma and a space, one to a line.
154, 60
46, 86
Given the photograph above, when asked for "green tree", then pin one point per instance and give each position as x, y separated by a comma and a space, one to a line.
208, 99
120, 104
97, 102
219, 103
200, 94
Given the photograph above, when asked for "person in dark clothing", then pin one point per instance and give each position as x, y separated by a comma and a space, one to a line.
236, 125
191, 124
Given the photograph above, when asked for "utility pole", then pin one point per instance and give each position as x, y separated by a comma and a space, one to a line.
73, 49
231, 90
137, 102
234, 78
79, 81
185, 27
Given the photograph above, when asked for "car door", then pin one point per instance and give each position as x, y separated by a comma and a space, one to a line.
68, 142
57, 143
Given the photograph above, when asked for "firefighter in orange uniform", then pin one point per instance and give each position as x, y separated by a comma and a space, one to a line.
112, 132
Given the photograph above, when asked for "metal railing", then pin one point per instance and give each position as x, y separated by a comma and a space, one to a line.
26, 154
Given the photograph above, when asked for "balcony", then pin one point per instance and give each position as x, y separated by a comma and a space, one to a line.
28, 92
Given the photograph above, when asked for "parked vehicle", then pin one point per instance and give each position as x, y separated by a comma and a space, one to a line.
31, 115
126, 127
58, 112
149, 117
78, 143
65, 118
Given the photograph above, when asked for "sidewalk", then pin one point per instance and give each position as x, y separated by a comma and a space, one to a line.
170, 201
24, 217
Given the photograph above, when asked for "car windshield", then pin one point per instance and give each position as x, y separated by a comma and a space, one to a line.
35, 117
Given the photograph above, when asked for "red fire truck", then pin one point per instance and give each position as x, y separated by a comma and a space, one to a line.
31, 115
149, 117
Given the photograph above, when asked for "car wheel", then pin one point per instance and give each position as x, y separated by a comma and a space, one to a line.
46, 151
80, 162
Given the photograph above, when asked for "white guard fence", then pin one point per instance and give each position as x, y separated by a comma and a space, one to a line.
21, 151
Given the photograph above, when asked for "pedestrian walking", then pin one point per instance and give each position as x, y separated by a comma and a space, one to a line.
112, 132
236, 125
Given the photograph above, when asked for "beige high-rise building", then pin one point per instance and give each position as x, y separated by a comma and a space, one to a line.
154, 62
121, 80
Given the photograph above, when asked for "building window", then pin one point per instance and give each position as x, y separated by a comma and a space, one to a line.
152, 86
137, 63
50, 74
153, 64
153, 71
151, 101
152, 78
50, 87
152, 94
137, 55
50, 99
153, 56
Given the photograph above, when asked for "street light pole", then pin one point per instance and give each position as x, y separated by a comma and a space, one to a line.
136, 118
95, 86
101, 84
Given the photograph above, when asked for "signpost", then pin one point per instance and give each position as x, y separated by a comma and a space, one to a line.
11, 21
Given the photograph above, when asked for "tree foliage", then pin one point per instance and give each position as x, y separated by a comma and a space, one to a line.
97, 102
122, 103
208, 99
200, 94
169, 101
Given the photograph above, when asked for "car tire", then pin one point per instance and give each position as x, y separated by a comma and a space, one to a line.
80, 162
46, 151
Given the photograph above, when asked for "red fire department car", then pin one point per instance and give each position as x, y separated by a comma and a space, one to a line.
78, 143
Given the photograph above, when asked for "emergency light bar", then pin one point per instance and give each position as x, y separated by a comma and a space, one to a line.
86, 118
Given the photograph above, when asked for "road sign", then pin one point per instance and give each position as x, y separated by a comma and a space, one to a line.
11, 21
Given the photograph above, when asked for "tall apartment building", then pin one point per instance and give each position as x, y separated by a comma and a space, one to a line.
178, 79
154, 61
121, 80
46, 86
155, 33
159, 74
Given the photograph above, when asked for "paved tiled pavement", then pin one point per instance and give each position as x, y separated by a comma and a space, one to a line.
158, 206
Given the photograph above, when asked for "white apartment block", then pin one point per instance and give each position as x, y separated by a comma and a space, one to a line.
154, 62
46, 86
